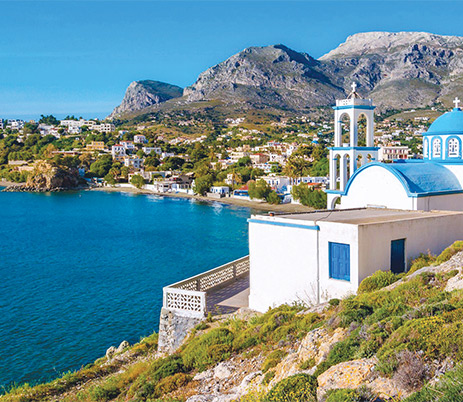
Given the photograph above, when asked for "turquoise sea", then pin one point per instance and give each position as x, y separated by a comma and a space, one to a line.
82, 271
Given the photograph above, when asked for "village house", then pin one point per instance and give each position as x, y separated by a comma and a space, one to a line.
133, 161
392, 153
140, 139
96, 146
149, 150
128, 145
118, 150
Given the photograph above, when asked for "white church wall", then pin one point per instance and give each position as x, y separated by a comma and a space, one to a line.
376, 186
283, 265
423, 234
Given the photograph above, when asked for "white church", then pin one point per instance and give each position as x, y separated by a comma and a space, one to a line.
434, 182
380, 215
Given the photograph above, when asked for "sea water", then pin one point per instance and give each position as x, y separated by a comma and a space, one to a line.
82, 271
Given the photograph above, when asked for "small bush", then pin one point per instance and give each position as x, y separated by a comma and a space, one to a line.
166, 367
449, 252
273, 359
341, 352
354, 310
105, 392
342, 395
307, 365
172, 383
201, 326
208, 349
297, 388
378, 280
423, 260
269, 375
448, 389
334, 302
411, 371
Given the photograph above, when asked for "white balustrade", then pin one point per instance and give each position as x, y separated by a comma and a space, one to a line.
189, 296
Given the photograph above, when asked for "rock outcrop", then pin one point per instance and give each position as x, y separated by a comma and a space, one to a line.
356, 373
46, 177
141, 94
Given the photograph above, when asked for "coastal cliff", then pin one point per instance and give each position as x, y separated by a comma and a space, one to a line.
397, 340
49, 177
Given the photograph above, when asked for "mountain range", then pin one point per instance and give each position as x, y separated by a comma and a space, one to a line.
397, 70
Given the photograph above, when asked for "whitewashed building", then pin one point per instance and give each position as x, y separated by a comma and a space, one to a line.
313, 257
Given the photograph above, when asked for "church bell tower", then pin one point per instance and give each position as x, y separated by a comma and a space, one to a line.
346, 158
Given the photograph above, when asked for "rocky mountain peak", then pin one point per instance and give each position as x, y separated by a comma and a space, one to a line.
141, 94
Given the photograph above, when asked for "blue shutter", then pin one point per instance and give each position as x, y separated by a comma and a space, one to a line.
339, 261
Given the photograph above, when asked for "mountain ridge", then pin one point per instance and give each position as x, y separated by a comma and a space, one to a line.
398, 70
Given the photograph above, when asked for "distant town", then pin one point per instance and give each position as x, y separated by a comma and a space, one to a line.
282, 161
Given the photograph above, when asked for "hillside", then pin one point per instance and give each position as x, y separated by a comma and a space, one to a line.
399, 339
397, 70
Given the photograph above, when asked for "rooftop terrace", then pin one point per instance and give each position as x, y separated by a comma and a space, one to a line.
359, 216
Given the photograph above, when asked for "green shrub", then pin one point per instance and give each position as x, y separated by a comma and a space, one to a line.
354, 310
172, 383
334, 302
437, 336
297, 388
341, 352
201, 326
166, 367
246, 339
208, 349
269, 375
342, 395
105, 392
378, 280
449, 252
423, 260
308, 364
273, 359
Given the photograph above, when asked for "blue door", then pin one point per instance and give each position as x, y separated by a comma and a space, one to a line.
398, 256
339, 266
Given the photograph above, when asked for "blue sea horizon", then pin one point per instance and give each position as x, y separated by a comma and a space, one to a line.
83, 271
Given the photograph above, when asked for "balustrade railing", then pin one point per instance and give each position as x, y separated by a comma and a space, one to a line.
190, 295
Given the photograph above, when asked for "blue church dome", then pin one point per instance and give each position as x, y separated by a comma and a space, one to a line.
449, 123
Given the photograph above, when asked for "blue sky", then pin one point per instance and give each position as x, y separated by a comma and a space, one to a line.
78, 57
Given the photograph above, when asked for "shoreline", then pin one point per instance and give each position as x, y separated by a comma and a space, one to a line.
253, 205
258, 206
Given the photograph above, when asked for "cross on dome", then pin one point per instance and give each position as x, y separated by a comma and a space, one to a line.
354, 86
456, 102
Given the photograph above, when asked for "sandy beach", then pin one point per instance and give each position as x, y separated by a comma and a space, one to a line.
259, 206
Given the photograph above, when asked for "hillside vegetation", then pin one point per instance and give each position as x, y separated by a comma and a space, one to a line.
399, 339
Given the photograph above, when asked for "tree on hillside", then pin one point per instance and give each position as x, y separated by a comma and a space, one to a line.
49, 120
296, 166
101, 166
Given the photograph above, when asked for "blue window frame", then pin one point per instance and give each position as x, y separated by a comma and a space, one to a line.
339, 264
